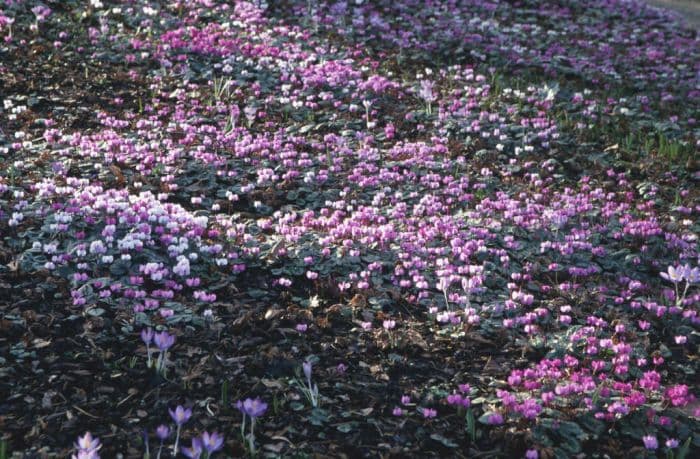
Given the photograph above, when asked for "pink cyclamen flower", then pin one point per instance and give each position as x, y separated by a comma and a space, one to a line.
495, 419
429, 413
389, 324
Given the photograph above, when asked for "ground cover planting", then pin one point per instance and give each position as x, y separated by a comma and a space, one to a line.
348, 229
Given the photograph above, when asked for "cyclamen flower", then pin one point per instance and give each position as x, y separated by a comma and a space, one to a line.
495, 419
429, 413
531, 454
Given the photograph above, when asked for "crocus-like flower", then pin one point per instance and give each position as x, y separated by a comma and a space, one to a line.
181, 415
164, 341
212, 442
674, 274
531, 454
162, 432
650, 442
254, 407
147, 335
672, 443
429, 413
397, 411
195, 451
306, 366
88, 443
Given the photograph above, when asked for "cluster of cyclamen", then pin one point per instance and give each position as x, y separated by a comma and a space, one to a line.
459, 399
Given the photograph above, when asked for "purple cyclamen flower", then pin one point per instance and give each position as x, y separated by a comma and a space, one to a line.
213, 442
164, 341
405, 399
672, 443
180, 415
650, 442
495, 419
429, 413
531, 454
195, 451
397, 411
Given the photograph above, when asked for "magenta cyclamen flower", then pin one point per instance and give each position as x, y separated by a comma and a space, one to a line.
495, 419
213, 442
164, 341
429, 413
180, 415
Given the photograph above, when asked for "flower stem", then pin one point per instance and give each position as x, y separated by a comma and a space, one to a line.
177, 440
